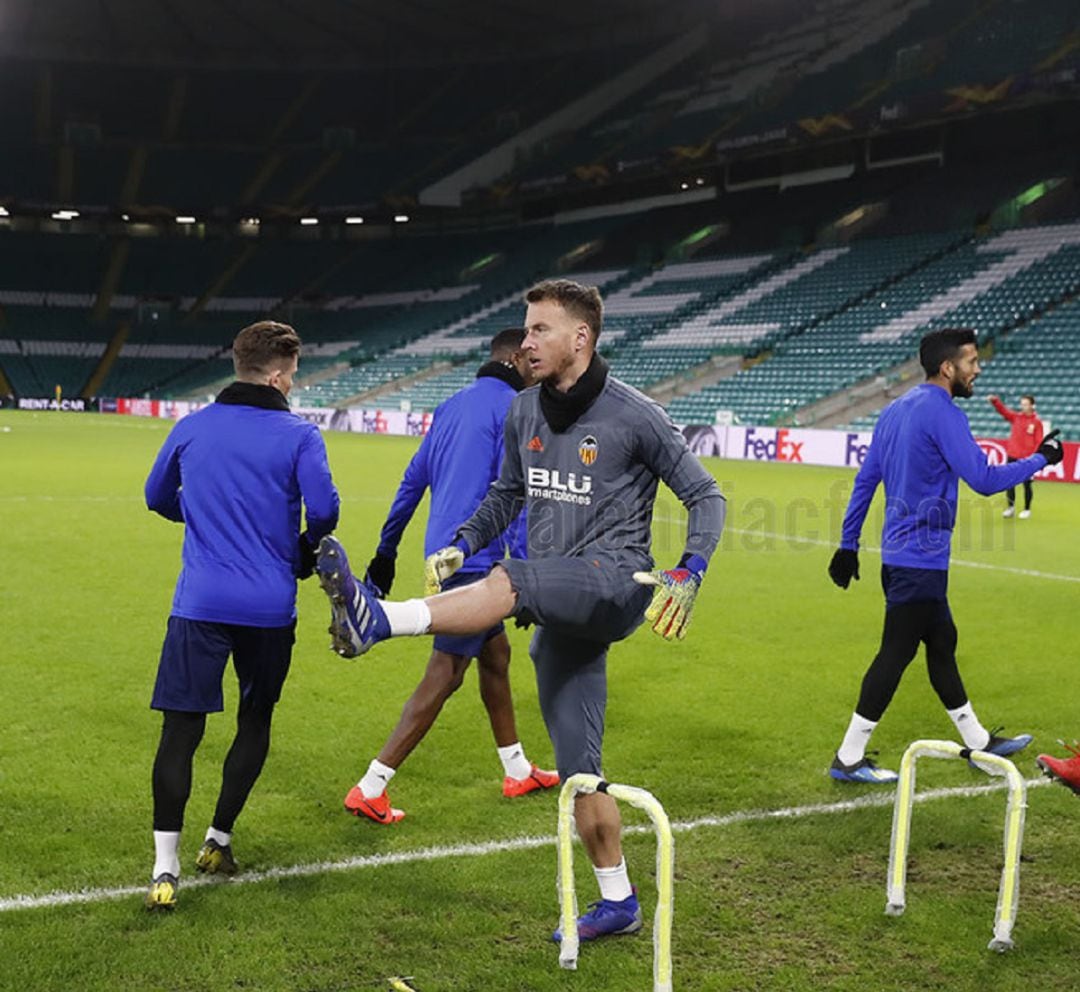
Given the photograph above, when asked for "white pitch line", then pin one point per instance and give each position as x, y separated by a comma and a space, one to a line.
870, 801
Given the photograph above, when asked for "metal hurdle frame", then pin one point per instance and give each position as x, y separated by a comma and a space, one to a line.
584, 784
992, 764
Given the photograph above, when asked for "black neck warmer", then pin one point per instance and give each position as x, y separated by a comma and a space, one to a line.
252, 394
561, 410
499, 370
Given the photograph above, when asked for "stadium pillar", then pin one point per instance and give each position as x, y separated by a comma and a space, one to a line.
105, 363
222, 281
111, 279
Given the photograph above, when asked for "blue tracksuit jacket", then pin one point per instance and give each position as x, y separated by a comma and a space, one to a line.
922, 447
235, 475
458, 460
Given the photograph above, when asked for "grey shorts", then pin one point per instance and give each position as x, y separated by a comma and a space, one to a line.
596, 600
580, 607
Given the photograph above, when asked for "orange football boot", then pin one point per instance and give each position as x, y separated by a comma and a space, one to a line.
538, 779
1065, 770
377, 809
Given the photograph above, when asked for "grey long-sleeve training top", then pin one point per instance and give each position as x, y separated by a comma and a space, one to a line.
590, 490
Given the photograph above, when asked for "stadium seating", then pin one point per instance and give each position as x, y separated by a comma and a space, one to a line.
993, 285
834, 59
1040, 358
217, 138
810, 322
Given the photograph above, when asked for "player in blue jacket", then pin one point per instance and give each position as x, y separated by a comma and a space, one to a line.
234, 474
457, 460
922, 447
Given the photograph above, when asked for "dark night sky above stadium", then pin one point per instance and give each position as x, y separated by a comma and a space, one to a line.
340, 33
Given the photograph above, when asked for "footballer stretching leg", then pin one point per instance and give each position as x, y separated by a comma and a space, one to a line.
584, 454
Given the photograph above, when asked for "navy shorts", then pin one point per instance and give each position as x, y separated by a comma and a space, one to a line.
194, 656
467, 645
914, 585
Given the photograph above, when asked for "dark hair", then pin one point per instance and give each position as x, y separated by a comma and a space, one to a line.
260, 346
581, 302
506, 342
943, 346
1028, 396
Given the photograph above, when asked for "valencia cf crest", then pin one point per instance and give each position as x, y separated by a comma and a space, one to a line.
587, 450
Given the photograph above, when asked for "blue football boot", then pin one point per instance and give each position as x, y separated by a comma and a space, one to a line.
1003, 746
357, 619
864, 772
606, 918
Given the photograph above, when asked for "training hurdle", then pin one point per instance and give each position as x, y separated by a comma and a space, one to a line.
1009, 889
665, 871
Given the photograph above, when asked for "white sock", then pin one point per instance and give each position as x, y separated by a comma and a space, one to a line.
614, 882
222, 838
166, 853
853, 749
968, 726
410, 618
374, 782
514, 762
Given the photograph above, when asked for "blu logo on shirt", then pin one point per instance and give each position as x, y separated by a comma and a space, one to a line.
546, 483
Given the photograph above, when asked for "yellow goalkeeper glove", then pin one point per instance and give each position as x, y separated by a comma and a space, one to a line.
673, 597
440, 566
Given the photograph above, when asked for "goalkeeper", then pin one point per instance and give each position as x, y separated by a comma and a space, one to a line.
584, 453
458, 460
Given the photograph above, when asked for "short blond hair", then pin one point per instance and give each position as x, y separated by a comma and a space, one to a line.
581, 302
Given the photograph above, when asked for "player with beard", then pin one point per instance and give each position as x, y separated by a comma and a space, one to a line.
922, 447
584, 453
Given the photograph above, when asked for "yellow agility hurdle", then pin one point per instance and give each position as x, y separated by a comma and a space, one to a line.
665, 871
1009, 889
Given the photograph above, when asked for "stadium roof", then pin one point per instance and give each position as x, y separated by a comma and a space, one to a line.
344, 33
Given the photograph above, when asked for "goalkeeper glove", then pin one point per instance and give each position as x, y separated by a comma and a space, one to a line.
673, 599
844, 567
440, 566
380, 574
1051, 448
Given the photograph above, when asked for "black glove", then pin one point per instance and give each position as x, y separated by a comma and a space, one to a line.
844, 567
1051, 448
307, 557
380, 574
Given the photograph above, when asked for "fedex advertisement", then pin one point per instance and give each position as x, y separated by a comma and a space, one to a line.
793, 445
796, 445
804, 447
841, 449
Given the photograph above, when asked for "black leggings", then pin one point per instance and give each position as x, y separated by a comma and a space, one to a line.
1010, 493
180, 737
906, 626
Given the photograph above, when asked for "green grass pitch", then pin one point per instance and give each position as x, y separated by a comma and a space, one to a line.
742, 716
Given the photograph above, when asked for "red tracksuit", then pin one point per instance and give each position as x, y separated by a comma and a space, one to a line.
1027, 431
